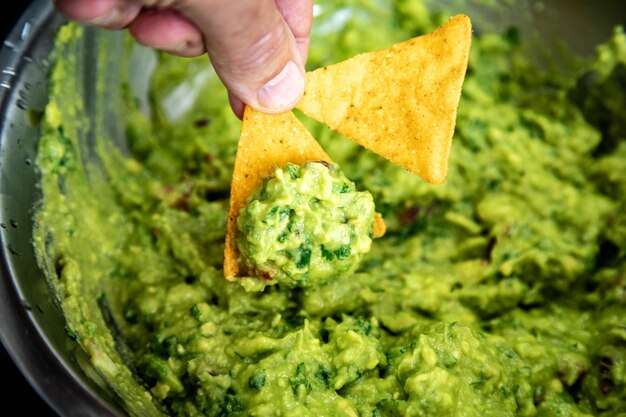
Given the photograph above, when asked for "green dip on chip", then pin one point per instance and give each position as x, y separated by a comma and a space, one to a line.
304, 225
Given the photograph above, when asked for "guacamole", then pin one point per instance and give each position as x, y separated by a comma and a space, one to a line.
304, 225
500, 293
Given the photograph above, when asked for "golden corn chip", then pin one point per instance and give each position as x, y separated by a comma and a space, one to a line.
400, 102
380, 228
267, 141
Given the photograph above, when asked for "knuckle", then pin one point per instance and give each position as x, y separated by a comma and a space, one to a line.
262, 52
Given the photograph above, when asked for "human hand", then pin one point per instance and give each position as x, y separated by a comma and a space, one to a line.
257, 47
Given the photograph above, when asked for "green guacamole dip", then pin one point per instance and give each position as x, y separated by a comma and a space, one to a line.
500, 293
304, 225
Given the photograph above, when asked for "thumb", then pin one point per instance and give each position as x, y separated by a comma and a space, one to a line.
253, 50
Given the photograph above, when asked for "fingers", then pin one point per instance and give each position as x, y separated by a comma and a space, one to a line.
253, 50
258, 47
169, 31
164, 29
109, 14
299, 16
236, 105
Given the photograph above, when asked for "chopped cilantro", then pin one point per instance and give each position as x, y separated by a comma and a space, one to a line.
257, 380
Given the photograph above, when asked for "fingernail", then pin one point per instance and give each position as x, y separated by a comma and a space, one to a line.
107, 19
284, 90
118, 17
191, 46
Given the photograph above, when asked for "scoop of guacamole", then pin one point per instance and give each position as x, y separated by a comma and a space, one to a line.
304, 225
499, 293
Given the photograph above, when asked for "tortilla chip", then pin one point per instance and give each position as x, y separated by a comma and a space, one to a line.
380, 228
266, 141
400, 102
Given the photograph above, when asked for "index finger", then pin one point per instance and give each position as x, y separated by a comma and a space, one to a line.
299, 17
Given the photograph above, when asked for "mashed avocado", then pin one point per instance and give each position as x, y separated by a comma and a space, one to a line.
500, 293
305, 224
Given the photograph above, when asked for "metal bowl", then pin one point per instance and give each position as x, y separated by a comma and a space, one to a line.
32, 328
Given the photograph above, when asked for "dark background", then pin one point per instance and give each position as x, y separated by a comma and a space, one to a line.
18, 394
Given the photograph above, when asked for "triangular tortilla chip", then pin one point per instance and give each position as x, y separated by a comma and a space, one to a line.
380, 228
400, 102
267, 141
